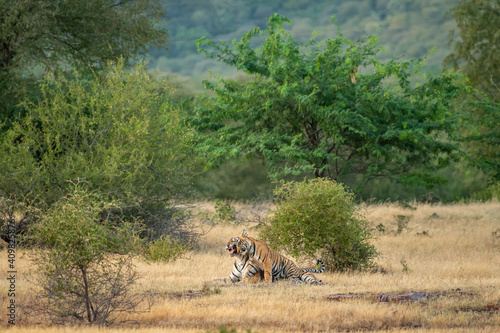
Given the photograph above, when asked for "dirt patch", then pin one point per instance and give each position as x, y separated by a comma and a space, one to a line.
417, 296
185, 294
490, 307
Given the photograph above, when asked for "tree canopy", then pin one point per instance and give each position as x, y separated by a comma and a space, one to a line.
119, 135
85, 34
328, 109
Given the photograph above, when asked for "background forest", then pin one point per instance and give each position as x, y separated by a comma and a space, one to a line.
405, 29
165, 34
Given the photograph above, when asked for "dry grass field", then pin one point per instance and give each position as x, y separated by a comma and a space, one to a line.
450, 251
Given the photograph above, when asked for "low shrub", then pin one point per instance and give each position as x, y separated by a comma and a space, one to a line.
164, 249
224, 212
318, 218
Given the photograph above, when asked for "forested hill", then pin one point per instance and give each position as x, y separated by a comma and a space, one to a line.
406, 28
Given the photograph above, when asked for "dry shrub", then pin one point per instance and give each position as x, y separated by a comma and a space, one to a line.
85, 265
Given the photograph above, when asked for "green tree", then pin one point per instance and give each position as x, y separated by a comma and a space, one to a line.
86, 34
328, 109
476, 55
318, 218
119, 134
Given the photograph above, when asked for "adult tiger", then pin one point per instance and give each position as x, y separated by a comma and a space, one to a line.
264, 261
245, 269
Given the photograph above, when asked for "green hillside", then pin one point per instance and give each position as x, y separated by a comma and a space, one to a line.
405, 28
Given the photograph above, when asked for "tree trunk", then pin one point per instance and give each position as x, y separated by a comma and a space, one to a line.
88, 303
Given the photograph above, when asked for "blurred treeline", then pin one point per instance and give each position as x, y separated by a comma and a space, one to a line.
405, 28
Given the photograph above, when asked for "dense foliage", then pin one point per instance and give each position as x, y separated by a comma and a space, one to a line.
476, 55
481, 130
317, 218
85, 34
119, 135
404, 29
329, 109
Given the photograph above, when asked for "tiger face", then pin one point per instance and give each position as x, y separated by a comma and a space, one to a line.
236, 247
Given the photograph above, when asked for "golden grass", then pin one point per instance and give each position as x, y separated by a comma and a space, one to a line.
457, 251
181, 330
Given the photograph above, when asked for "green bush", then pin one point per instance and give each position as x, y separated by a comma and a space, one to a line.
317, 218
164, 249
119, 133
224, 212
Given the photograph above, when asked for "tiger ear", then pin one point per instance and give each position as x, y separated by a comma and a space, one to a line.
245, 234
